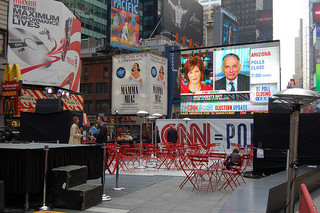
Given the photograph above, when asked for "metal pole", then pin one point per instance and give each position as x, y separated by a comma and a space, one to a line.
117, 188
44, 207
26, 202
140, 142
140, 166
117, 126
104, 196
152, 133
293, 149
155, 138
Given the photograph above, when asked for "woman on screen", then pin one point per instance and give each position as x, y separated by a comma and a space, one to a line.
194, 71
228, 38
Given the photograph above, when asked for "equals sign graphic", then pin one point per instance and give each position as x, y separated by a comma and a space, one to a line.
218, 137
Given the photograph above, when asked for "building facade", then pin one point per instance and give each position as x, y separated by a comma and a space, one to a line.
150, 13
245, 11
96, 84
93, 16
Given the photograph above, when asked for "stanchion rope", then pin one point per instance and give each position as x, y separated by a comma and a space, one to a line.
115, 166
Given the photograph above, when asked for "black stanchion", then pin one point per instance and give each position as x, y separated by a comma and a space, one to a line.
44, 207
104, 196
26, 203
117, 188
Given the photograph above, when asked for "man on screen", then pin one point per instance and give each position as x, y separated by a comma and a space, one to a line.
233, 81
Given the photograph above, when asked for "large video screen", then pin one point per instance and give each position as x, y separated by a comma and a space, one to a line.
229, 30
228, 79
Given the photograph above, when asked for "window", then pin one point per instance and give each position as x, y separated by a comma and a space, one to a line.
85, 72
86, 88
105, 72
101, 88
102, 106
87, 106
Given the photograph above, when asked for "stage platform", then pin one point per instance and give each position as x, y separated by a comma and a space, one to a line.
269, 194
22, 164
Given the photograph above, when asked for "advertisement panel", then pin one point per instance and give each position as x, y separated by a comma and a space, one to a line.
229, 29
264, 25
318, 31
124, 31
316, 13
44, 39
183, 17
158, 79
139, 82
318, 77
229, 79
205, 131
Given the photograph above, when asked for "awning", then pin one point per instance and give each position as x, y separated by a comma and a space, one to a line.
85, 119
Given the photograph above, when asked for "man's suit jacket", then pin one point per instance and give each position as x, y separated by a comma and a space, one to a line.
172, 135
243, 83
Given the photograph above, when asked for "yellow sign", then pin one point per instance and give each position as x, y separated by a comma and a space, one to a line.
9, 93
10, 106
12, 73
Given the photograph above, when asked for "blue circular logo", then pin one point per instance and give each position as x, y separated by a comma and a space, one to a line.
154, 72
121, 72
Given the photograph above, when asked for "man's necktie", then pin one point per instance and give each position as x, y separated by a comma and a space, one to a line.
232, 87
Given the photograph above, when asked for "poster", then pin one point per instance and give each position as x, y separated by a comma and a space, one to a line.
207, 131
139, 82
44, 38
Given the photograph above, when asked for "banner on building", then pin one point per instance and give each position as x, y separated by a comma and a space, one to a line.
139, 82
208, 131
124, 31
44, 39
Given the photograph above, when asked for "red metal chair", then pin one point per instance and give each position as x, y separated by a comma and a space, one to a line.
128, 157
214, 147
202, 177
188, 170
217, 159
231, 176
149, 155
306, 203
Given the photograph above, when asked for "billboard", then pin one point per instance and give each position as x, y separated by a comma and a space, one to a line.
223, 80
318, 77
264, 25
227, 132
226, 27
229, 29
139, 82
183, 17
316, 13
124, 31
44, 39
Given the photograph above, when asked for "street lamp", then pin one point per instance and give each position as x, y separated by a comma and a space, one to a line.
141, 114
294, 98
